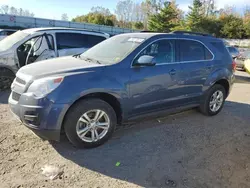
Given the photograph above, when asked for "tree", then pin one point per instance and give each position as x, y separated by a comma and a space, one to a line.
98, 15
138, 25
165, 20
124, 11
233, 27
13, 11
208, 8
101, 10
5, 9
65, 17
195, 16
246, 20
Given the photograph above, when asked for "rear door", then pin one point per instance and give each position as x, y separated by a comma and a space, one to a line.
195, 66
69, 43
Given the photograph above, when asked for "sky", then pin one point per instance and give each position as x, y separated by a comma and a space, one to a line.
53, 9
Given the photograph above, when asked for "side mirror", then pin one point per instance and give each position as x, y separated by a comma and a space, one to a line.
145, 60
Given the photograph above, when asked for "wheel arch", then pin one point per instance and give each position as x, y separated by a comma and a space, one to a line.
111, 99
225, 84
222, 77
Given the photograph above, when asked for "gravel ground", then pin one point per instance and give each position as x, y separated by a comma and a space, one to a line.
184, 150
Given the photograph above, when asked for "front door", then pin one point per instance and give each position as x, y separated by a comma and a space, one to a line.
154, 87
36, 49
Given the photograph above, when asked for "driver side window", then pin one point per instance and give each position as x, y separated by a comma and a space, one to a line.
163, 51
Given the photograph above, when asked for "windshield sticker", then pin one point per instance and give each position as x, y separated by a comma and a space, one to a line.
137, 40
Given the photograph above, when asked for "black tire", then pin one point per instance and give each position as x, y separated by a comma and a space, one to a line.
77, 111
6, 78
204, 106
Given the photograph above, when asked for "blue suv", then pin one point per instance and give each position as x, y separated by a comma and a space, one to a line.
124, 78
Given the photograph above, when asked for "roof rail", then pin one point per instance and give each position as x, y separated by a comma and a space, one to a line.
192, 33
146, 31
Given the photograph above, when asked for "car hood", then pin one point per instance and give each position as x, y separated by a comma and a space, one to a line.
57, 66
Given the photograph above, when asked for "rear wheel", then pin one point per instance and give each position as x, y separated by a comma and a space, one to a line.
213, 100
6, 78
90, 123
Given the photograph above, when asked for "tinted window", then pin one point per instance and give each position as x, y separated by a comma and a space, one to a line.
163, 51
77, 40
10, 32
193, 51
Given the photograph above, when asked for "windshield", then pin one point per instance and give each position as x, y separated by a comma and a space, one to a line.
113, 50
9, 41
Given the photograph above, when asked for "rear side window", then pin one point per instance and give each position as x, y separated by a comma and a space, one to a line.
193, 51
77, 40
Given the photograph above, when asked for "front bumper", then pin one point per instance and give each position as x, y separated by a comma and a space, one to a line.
42, 116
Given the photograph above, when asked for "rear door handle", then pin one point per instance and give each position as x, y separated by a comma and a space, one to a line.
172, 72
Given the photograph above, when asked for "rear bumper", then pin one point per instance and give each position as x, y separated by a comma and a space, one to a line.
239, 64
42, 116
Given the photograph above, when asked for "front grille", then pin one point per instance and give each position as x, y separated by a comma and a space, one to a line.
15, 96
19, 80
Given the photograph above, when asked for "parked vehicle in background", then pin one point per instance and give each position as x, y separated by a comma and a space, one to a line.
242, 59
32, 45
6, 32
126, 77
233, 51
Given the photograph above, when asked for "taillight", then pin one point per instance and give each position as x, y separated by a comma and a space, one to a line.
234, 65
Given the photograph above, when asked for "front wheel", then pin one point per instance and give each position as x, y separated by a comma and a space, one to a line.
90, 123
213, 100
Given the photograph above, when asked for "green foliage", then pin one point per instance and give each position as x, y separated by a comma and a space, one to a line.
138, 25
211, 25
165, 20
247, 28
165, 16
233, 27
96, 18
194, 17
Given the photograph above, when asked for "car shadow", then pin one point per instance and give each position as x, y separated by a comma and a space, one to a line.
4, 95
183, 150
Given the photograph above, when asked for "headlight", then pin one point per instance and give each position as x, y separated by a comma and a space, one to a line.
44, 86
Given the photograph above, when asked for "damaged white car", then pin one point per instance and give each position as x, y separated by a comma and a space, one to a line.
32, 45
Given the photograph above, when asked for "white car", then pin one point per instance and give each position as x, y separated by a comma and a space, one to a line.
6, 32
32, 45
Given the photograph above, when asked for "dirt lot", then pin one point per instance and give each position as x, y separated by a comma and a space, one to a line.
182, 150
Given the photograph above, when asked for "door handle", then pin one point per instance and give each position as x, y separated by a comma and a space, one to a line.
172, 72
